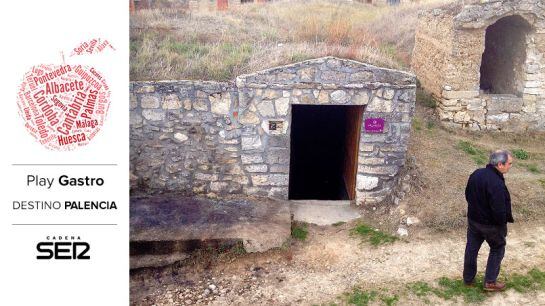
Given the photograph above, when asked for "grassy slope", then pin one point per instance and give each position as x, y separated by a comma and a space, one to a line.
444, 166
211, 45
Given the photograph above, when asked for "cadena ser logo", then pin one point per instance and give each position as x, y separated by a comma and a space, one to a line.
63, 247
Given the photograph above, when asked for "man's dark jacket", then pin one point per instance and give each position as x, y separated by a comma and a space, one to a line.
487, 197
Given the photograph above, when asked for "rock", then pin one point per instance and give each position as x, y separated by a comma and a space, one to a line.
218, 186
187, 104
200, 105
388, 94
282, 106
146, 89
180, 137
333, 77
339, 96
135, 119
256, 168
148, 101
307, 74
402, 232
379, 105
361, 76
497, 118
461, 117
362, 98
153, 114
271, 94
249, 118
412, 221
220, 103
323, 97
251, 142
270, 180
365, 182
266, 108
251, 158
171, 102
212, 287
284, 77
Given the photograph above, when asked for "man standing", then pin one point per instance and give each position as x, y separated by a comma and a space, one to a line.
489, 210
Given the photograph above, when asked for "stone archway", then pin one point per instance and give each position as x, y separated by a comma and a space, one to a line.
502, 66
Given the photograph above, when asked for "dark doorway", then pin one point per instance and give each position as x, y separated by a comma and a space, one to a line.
324, 151
502, 66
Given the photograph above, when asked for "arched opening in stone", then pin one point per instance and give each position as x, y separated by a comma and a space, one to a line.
324, 145
502, 66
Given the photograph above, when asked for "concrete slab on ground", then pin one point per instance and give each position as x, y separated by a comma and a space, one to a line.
261, 224
323, 212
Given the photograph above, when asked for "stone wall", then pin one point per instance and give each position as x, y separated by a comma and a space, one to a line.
454, 76
217, 138
432, 51
183, 136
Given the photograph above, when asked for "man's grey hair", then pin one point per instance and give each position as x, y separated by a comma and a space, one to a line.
499, 157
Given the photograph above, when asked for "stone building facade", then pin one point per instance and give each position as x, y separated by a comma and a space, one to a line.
219, 138
484, 62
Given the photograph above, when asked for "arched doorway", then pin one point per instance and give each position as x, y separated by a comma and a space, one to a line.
502, 66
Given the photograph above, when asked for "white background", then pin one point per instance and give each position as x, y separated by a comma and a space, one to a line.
35, 32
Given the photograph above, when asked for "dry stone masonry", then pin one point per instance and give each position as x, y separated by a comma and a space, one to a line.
234, 138
484, 62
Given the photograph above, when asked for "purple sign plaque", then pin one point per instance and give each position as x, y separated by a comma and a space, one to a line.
374, 125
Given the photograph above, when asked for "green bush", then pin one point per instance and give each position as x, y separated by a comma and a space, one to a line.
479, 156
521, 154
532, 168
299, 232
361, 298
373, 235
417, 124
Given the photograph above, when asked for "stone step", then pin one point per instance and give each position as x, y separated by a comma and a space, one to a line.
323, 212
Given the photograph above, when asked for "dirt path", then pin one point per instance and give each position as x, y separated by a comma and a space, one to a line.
331, 262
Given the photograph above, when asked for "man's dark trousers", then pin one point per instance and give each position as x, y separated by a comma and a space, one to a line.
494, 235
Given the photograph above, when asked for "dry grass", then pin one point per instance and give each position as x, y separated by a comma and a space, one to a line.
445, 166
202, 43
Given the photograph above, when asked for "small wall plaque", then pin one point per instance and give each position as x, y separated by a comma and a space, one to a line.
275, 125
374, 125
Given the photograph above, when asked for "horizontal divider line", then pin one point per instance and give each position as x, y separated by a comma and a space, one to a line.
64, 164
64, 224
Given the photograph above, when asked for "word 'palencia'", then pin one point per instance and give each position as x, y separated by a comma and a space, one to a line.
90, 205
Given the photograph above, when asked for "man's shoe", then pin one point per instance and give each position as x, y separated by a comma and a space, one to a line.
470, 284
495, 286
